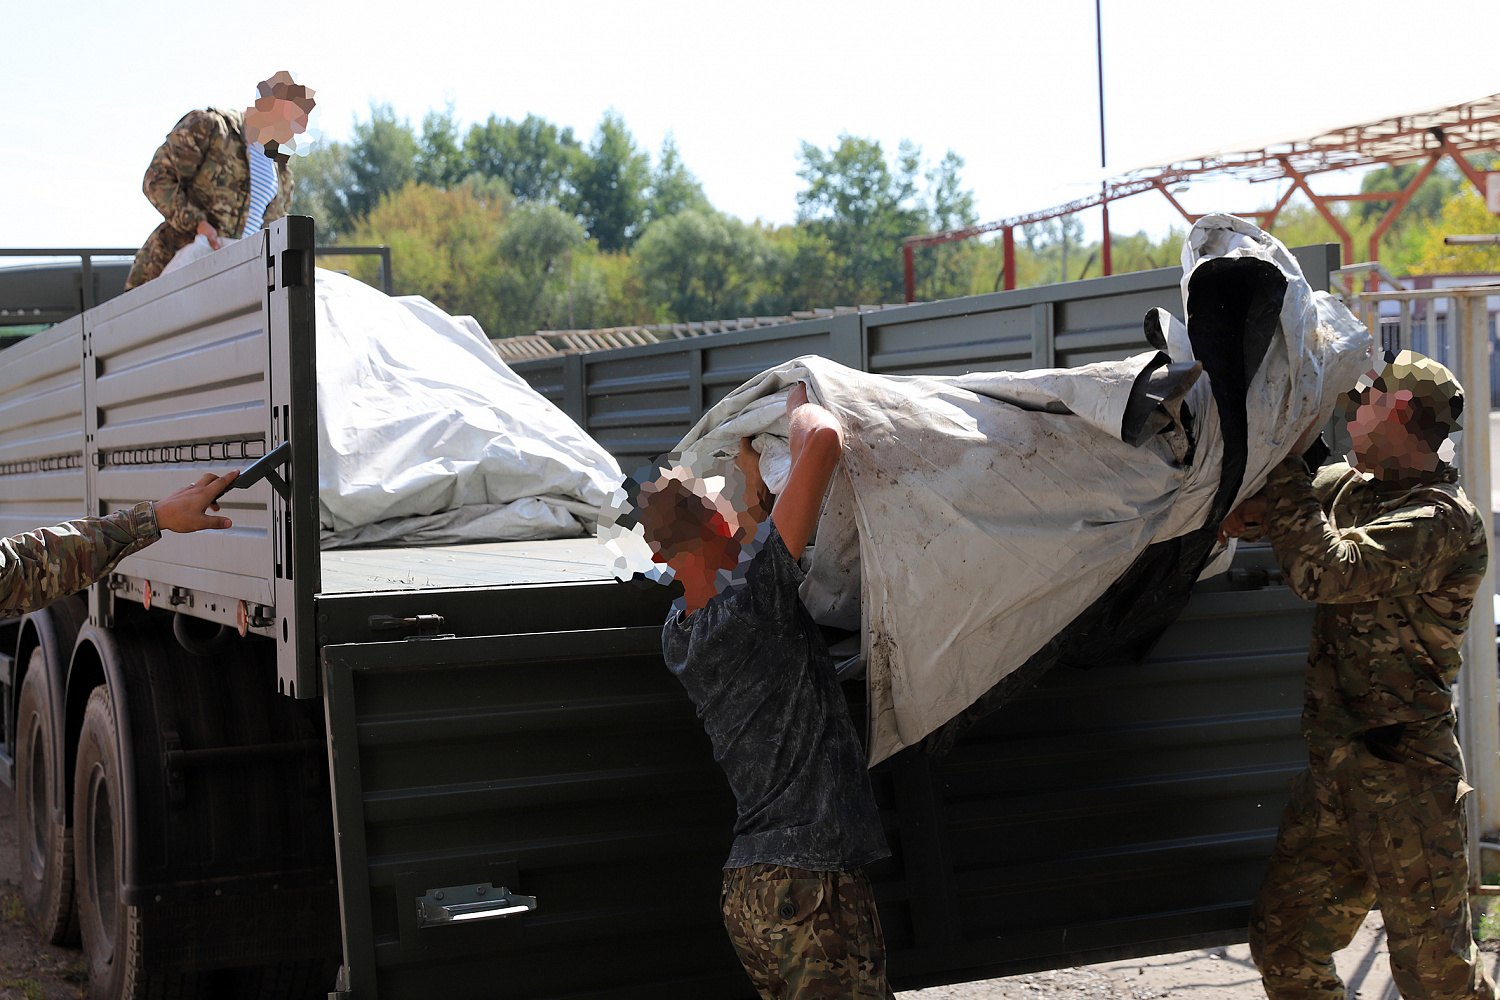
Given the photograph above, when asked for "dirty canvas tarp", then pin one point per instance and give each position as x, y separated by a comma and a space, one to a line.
426, 437
983, 522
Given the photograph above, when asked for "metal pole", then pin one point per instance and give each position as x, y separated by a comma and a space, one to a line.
86, 279
1109, 261
1063, 227
1479, 696
386, 278
1008, 241
1099, 61
910, 269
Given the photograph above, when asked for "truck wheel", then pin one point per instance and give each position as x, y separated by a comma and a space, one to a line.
46, 848
111, 929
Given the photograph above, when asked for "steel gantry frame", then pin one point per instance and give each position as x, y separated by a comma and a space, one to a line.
1455, 131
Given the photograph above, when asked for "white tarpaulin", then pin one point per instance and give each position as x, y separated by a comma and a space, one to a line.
426, 437
979, 515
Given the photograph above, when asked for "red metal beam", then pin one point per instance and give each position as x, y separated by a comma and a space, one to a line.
1476, 177
1008, 261
1176, 204
1333, 221
1108, 263
1270, 217
1402, 200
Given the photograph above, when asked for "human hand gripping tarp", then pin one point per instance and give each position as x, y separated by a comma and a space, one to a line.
978, 518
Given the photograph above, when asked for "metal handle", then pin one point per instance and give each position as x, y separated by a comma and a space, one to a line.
265, 468
457, 903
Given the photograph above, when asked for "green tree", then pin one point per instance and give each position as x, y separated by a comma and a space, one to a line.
534, 157
1465, 212
950, 204
611, 185
322, 185
440, 159
1435, 191
534, 288
443, 243
862, 208
382, 159
674, 188
706, 265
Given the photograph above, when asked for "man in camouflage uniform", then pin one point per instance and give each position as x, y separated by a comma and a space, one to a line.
1393, 553
199, 178
45, 565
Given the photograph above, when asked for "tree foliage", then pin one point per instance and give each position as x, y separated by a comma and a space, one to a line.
706, 265
610, 184
523, 226
674, 188
535, 158
382, 160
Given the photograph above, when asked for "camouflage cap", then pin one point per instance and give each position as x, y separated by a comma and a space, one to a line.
1424, 380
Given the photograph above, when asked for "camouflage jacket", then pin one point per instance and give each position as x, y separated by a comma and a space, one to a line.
1394, 568
42, 566
200, 173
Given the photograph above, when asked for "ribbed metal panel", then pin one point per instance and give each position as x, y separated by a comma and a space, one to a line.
41, 430
181, 362
1115, 811
1107, 812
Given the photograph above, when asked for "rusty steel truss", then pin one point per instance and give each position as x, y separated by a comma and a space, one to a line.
1425, 137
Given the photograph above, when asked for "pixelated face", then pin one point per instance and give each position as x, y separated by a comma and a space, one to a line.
272, 120
685, 518
1389, 436
280, 112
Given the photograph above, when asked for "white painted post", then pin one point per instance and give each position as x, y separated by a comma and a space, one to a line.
1479, 694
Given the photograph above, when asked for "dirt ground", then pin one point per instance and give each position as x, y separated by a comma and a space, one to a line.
1210, 974
30, 970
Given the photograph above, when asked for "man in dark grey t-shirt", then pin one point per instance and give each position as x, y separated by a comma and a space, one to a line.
797, 904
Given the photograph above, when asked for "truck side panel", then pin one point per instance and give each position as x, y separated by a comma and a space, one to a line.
1106, 813
41, 430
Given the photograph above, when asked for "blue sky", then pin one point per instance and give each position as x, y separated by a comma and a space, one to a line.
92, 87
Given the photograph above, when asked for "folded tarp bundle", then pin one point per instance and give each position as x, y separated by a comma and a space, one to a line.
989, 526
426, 437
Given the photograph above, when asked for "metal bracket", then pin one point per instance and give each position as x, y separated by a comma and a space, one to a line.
463, 903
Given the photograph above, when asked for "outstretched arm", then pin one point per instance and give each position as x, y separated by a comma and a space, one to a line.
42, 566
817, 441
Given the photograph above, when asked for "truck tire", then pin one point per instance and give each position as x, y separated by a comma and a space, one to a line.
111, 930
45, 847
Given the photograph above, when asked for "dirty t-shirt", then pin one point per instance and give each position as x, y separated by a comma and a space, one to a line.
759, 672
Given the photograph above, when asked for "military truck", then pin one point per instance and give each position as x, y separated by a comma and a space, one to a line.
248, 767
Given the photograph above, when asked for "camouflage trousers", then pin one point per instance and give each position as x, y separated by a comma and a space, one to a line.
1370, 827
803, 934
